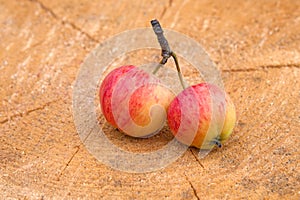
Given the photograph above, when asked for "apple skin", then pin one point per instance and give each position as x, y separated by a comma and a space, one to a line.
106, 91
134, 101
201, 115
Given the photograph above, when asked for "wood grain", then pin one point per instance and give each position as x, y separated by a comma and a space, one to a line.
256, 45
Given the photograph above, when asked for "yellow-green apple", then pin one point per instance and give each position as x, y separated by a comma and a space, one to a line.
134, 101
202, 116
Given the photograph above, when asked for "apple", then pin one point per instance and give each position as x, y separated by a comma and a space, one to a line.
134, 101
202, 116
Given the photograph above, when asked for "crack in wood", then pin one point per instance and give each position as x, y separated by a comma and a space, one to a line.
263, 67
68, 163
166, 8
192, 186
27, 112
73, 155
197, 159
176, 15
64, 22
163, 12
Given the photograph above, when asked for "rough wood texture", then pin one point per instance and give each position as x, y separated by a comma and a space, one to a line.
256, 44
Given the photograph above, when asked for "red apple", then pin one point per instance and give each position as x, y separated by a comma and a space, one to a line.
134, 101
202, 116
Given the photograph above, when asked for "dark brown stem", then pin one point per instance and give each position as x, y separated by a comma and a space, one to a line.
166, 52
163, 42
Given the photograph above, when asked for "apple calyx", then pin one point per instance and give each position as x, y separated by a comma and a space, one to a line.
217, 142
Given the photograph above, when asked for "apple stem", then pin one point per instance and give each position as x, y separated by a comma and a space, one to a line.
166, 52
163, 42
178, 69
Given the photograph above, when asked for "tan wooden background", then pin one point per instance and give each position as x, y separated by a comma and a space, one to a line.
256, 45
